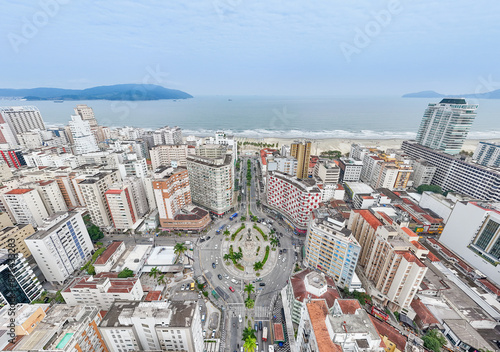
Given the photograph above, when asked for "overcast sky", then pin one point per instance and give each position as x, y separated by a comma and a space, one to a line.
247, 47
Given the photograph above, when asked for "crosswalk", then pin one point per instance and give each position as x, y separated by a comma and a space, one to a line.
237, 308
262, 313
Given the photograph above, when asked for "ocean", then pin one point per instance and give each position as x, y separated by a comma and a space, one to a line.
279, 117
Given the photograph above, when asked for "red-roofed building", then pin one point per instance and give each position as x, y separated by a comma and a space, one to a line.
309, 283
109, 257
392, 339
102, 290
153, 296
26, 206
489, 286
424, 319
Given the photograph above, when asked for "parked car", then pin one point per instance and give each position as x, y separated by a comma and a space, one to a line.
213, 265
231, 289
262, 284
219, 276
183, 287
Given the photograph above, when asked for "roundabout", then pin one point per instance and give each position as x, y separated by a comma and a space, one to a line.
250, 245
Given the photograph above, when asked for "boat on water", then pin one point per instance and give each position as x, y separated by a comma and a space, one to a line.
58, 101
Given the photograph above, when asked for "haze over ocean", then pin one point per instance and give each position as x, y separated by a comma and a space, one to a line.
357, 117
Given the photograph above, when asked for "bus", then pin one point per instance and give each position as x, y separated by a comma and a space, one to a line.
264, 333
220, 229
233, 216
380, 314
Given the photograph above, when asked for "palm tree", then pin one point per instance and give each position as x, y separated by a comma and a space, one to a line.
226, 232
154, 272
249, 289
250, 344
161, 279
257, 266
249, 303
227, 257
179, 249
237, 256
248, 333
274, 242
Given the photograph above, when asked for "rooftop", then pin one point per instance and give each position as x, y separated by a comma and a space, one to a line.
104, 257
466, 333
20, 191
423, 312
349, 306
300, 292
318, 313
393, 335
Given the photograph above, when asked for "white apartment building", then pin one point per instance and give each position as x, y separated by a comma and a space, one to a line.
60, 246
445, 125
473, 232
102, 290
129, 168
121, 205
212, 182
487, 154
423, 172
51, 196
286, 165
83, 138
137, 187
328, 172
167, 135
30, 140
21, 119
26, 206
350, 169
165, 155
330, 246
369, 162
165, 326
93, 189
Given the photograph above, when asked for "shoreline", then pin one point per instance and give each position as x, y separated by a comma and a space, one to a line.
344, 144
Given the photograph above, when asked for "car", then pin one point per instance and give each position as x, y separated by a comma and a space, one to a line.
219, 276
239, 318
226, 276
208, 238
279, 257
213, 265
216, 246
281, 251
284, 259
204, 333
231, 289
202, 240
213, 333
216, 261
183, 287
284, 250
262, 284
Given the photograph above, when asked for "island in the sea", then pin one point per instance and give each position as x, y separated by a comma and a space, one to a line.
113, 92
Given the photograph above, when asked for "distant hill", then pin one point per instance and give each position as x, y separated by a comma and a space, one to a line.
494, 94
114, 92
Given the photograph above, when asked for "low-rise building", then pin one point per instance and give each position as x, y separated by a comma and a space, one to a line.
102, 290
350, 169
109, 257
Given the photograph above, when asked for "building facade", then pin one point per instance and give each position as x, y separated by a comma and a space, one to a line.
165, 155
121, 205
302, 152
22, 119
61, 246
26, 206
487, 154
445, 125
83, 138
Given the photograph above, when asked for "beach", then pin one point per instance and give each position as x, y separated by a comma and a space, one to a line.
344, 145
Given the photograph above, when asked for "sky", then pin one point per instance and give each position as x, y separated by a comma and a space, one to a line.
254, 47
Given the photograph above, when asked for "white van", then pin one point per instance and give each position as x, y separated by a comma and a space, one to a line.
239, 318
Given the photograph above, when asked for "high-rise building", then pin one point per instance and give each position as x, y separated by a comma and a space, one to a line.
302, 152
293, 198
167, 155
487, 154
21, 119
83, 138
13, 158
51, 195
26, 206
350, 169
137, 188
11, 235
445, 125
61, 246
455, 174
330, 246
93, 188
211, 182
173, 199
167, 135
327, 172
66, 328
153, 326
390, 259
121, 206
423, 172
473, 232
87, 114
18, 283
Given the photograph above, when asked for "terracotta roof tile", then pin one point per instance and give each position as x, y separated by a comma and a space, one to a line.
393, 335
317, 313
104, 257
370, 218
423, 313
299, 288
349, 306
493, 288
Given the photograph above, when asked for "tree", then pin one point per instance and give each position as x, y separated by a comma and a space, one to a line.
258, 266
250, 344
237, 256
432, 188
227, 257
91, 270
95, 233
126, 273
249, 303
243, 218
249, 289
161, 279
180, 248
154, 272
226, 232
274, 242
433, 340
248, 333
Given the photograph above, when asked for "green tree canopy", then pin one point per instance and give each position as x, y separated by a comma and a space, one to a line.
433, 340
248, 333
126, 273
249, 289
432, 188
250, 344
